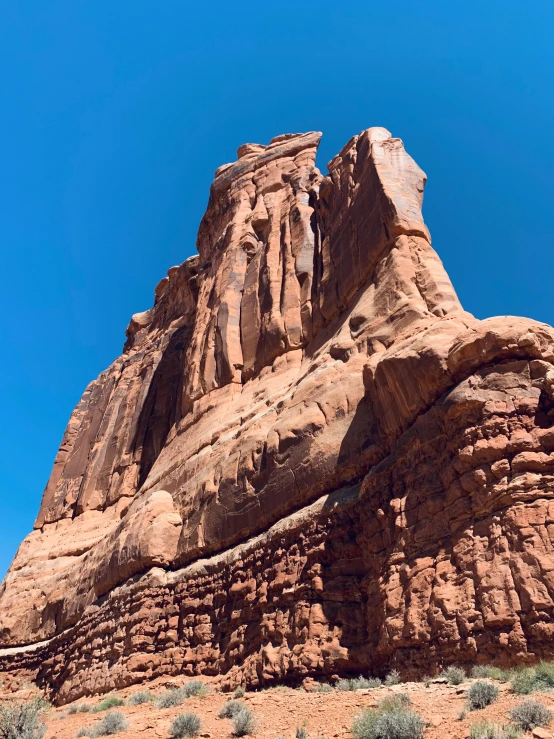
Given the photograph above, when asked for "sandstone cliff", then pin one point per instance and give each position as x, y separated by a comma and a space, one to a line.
309, 459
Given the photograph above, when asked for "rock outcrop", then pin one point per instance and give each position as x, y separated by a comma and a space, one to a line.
309, 459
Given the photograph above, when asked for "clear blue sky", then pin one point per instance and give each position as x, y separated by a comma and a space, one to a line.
116, 113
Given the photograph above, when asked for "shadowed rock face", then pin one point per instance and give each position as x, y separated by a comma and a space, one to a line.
308, 459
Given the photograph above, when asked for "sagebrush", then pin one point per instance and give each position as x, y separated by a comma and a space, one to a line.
529, 714
481, 694
185, 725
110, 701
393, 678
244, 722
137, 699
22, 720
358, 683
230, 709
396, 724
112, 723
454, 675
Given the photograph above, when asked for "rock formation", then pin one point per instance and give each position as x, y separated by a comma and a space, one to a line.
309, 459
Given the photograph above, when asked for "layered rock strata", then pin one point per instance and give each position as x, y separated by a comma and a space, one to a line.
309, 459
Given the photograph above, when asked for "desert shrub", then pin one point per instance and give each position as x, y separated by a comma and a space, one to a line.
194, 687
511, 732
481, 671
186, 724
137, 699
454, 675
322, 688
485, 730
230, 709
22, 720
110, 701
79, 708
239, 692
365, 682
393, 678
544, 673
488, 671
301, 733
523, 682
171, 698
398, 702
396, 724
527, 680
481, 694
529, 714
361, 682
244, 722
112, 723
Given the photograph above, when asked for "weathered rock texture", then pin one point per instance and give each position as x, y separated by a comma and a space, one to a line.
308, 460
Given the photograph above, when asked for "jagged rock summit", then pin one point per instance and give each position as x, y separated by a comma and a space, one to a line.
309, 459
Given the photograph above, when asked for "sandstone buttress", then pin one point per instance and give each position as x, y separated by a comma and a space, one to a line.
308, 460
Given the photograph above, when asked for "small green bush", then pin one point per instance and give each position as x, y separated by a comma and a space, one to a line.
362, 682
529, 679
171, 698
80, 708
512, 732
185, 725
322, 688
112, 723
378, 724
485, 730
398, 702
137, 699
244, 722
481, 671
194, 687
481, 694
239, 692
454, 675
523, 682
110, 701
393, 678
230, 709
529, 714
175, 696
488, 730
544, 673
490, 672
22, 720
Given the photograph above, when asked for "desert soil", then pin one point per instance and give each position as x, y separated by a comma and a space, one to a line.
280, 711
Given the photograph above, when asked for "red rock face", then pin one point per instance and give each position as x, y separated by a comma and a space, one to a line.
308, 460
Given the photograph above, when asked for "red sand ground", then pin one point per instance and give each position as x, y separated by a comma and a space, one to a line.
280, 711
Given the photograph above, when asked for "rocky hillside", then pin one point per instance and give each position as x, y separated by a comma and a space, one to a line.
309, 459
